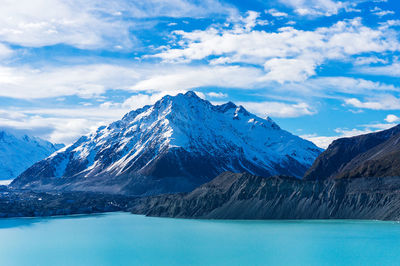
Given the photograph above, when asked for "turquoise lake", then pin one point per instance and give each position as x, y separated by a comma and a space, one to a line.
125, 239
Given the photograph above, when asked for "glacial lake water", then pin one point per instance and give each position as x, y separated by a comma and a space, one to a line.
125, 239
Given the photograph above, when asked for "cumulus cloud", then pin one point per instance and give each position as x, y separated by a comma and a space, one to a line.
276, 13
381, 102
217, 95
283, 70
392, 118
180, 78
289, 50
278, 109
82, 80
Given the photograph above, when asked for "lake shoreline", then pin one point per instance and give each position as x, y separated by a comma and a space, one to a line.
247, 197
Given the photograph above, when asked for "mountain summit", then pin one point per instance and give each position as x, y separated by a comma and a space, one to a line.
174, 145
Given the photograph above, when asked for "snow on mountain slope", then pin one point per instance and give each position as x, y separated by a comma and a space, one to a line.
17, 153
175, 145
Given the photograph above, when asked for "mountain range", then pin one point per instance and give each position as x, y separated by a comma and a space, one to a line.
175, 145
18, 152
161, 160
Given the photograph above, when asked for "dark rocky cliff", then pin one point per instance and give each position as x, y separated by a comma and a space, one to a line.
244, 196
369, 155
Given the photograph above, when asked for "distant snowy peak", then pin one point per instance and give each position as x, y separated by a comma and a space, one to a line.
180, 137
18, 152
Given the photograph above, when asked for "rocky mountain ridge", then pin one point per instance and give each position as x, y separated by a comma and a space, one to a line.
244, 196
369, 155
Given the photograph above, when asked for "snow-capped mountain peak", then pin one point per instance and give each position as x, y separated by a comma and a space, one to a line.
178, 143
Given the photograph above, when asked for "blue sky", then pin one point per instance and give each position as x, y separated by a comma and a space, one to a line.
322, 69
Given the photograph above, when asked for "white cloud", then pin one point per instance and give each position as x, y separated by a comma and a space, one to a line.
184, 78
250, 21
380, 12
276, 13
65, 125
392, 70
321, 141
390, 23
140, 100
82, 80
48, 22
380, 102
217, 95
49, 125
288, 50
93, 80
351, 85
318, 7
369, 60
278, 109
5, 51
334, 87
89, 24
384, 13
283, 70
379, 126
392, 118
175, 8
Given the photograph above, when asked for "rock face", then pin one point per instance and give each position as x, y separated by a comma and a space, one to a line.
244, 196
17, 153
175, 145
370, 155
